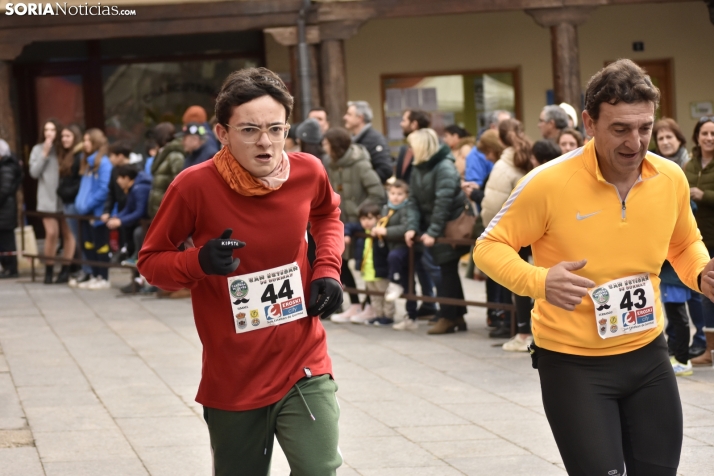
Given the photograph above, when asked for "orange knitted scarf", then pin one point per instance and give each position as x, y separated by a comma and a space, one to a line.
241, 181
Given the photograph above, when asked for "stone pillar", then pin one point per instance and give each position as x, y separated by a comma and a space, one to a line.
563, 24
287, 36
8, 129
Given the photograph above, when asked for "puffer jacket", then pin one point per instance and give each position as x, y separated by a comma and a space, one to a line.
378, 149
93, 188
396, 225
10, 179
503, 179
704, 212
167, 165
436, 198
354, 179
46, 171
68, 187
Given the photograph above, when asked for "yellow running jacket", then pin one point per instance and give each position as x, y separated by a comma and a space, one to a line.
567, 211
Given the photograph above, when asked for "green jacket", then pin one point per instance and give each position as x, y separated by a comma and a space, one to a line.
704, 180
354, 179
436, 198
167, 165
397, 225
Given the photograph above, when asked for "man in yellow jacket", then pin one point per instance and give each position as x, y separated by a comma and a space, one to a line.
601, 220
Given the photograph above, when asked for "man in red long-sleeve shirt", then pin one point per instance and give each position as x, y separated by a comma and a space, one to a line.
265, 365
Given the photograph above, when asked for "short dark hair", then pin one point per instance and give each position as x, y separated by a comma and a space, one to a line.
574, 133
453, 129
422, 118
670, 124
164, 133
339, 139
120, 148
545, 151
318, 109
244, 85
399, 183
127, 170
369, 208
621, 81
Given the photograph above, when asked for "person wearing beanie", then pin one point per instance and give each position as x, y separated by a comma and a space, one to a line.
196, 144
197, 114
309, 138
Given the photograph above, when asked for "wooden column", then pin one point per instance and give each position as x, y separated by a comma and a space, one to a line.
333, 66
8, 129
334, 82
287, 36
563, 24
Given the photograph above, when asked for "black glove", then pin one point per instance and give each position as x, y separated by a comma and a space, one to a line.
216, 256
325, 297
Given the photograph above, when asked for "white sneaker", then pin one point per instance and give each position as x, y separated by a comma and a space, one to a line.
393, 292
99, 284
72, 282
406, 325
680, 369
364, 316
344, 317
86, 284
518, 343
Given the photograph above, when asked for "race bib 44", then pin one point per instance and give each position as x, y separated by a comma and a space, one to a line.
624, 306
267, 298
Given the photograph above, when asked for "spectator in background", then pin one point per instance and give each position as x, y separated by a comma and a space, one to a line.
544, 151
96, 170
152, 148
460, 142
353, 178
309, 138
116, 198
479, 164
494, 119
358, 120
197, 145
10, 180
514, 163
569, 139
700, 174
291, 144
137, 187
552, 120
670, 142
45, 167
166, 166
320, 115
411, 121
197, 114
572, 114
70, 158
436, 198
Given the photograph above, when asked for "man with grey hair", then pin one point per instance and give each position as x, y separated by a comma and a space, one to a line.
552, 120
358, 120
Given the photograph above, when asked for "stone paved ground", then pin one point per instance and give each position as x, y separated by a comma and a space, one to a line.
95, 384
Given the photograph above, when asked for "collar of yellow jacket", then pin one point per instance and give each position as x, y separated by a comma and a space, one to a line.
649, 169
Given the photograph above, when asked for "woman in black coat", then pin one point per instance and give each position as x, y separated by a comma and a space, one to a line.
10, 179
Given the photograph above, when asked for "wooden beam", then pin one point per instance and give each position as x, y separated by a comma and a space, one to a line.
288, 36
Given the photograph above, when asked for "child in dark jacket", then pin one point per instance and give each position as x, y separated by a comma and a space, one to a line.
392, 226
371, 259
136, 186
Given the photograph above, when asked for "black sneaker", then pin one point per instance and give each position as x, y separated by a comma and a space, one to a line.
7, 274
501, 332
380, 321
696, 351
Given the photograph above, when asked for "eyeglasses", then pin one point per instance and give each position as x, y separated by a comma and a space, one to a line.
706, 118
251, 135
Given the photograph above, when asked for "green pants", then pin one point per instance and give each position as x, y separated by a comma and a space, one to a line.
304, 421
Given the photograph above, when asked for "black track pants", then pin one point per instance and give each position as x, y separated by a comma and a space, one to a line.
614, 412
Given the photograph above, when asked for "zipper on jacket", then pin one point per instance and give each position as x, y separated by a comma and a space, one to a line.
623, 210
699, 176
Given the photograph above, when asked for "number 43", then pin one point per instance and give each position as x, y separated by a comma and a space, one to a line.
627, 303
269, 293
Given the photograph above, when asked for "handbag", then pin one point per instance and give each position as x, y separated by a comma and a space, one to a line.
462, 227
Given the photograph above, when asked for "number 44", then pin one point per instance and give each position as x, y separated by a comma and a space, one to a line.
269, 294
